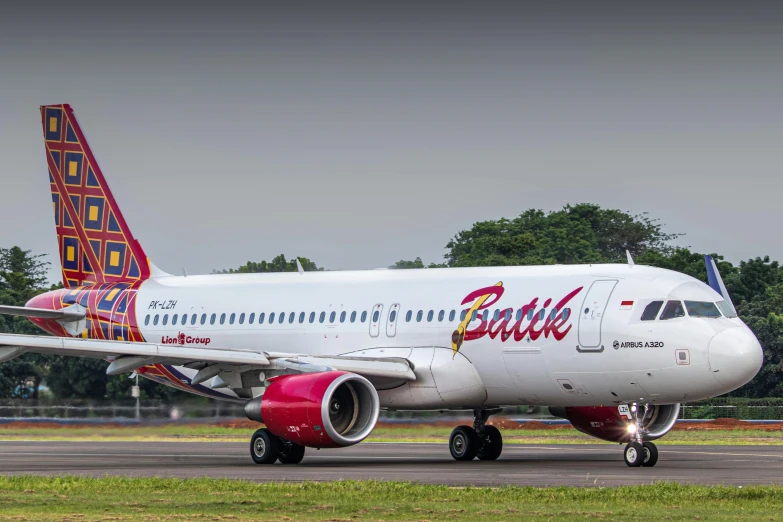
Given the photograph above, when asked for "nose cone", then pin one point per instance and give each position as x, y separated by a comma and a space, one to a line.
735, 357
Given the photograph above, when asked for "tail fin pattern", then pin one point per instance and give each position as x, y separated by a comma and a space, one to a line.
96, 245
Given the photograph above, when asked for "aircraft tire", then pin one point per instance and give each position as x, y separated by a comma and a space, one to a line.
650, 455
492, 444
264, 447
634, 454
464, 443
290, 453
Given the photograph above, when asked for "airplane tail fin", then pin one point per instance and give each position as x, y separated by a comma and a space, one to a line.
96, 246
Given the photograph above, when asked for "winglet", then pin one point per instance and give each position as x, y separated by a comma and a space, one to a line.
630, 258
716, 281
299, 266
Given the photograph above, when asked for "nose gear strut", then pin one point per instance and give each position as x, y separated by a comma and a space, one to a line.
639, 452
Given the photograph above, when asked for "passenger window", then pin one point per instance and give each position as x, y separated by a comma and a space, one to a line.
473, 316
322, 317
193, 319
353, 316
508, 314
519, 314
541, 315
342, 316
701, 309
155, 321
281, 317
203, 318
419, 316
312, 317
184, 319
301, 317
452, 314
291, 317
496, 316
231, 318
409, 316
252, 318
485, 315
174, 319
222, 318
147, 320
332, 317
441, 315
651, 311
462, 315
241, 318
212, 319
364, 316
271, 318
375, 316
430, 314
553, 315
393, 316
261, 317
165, 319
530, 314
726, 309
672, 310
566, 314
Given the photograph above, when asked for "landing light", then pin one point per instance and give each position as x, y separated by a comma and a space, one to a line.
632, 428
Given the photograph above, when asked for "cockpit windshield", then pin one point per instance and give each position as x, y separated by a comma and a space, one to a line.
702, 309
672, 310
726, 309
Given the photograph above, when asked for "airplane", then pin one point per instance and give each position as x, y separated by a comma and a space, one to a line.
315, 356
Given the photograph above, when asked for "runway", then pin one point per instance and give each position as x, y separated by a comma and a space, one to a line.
528, 465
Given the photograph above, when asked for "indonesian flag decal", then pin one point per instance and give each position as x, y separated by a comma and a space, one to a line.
626, 305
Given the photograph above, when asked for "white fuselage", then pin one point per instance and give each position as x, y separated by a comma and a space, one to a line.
605, 353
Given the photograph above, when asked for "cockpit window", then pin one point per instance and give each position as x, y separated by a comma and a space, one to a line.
651, 311
702, 309
726, 309
673, 310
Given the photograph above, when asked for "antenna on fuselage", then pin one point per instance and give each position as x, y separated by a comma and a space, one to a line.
630, 258
184, 272
299, 266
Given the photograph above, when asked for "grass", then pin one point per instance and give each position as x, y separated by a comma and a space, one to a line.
406, 433
129, 499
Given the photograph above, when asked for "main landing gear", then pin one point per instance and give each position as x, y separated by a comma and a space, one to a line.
266, 448
639, 452
482, 441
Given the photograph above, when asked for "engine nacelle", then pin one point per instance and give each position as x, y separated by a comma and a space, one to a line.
320, 410
611, 422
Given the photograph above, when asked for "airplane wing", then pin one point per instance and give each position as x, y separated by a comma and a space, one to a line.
128, 356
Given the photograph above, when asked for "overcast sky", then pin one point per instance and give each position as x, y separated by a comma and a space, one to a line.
357, 135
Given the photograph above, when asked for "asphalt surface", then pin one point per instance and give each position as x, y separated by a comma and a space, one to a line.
536, 465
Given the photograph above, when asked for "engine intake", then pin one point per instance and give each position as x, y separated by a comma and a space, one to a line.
320, 410
611, 422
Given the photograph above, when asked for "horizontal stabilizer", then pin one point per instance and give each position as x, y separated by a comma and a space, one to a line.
70, 313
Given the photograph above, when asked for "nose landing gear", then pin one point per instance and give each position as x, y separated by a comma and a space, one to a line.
639, 452
482, 441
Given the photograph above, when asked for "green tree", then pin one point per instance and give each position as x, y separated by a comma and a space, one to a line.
583, 233
278, 264
22, 277
402, 264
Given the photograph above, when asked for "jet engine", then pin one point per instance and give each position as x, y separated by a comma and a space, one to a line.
319, 410
612, 422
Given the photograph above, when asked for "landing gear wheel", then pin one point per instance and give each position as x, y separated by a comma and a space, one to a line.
264, 447
634, 454
464, 443
650, 455
491, 444
290, 453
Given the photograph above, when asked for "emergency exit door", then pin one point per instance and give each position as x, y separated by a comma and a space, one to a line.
592, 314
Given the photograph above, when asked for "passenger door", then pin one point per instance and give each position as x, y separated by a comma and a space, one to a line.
391, 324
375, 320
592, 315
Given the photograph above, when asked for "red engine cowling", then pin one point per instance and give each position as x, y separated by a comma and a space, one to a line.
611, 422
320, 410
